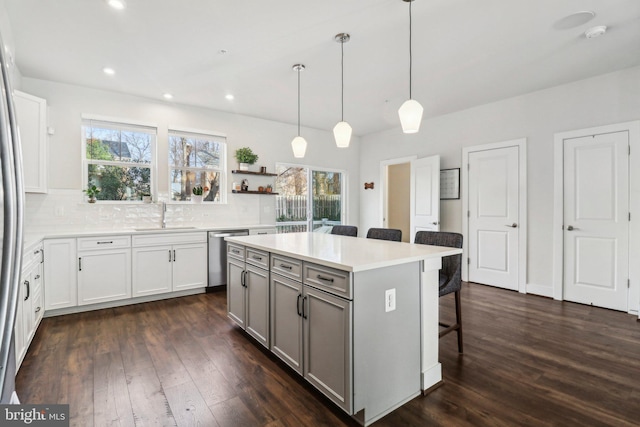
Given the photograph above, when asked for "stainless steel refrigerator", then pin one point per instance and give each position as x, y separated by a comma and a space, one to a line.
12, 212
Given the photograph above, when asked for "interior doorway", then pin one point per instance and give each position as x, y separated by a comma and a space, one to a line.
595, 199
494, 195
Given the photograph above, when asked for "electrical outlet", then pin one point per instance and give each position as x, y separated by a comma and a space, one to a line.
389, 300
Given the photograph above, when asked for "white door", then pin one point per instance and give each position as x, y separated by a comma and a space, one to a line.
189, 266
104, 276
151, 270
425, 195
493, 179
596, 220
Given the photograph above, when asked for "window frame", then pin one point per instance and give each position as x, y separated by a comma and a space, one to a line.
218, 137
125, 124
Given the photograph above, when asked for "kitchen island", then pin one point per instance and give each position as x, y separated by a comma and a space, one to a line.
358, 318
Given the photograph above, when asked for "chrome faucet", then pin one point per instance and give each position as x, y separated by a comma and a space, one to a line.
164, 214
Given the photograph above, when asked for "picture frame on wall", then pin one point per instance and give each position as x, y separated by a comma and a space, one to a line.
450, 184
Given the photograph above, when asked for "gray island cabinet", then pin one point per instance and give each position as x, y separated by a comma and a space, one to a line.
358, 318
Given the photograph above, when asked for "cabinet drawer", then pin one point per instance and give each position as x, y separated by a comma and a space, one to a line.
258, 258
168, 239
105, 242
287, 267
334, 281
32, 254
235, 251
257, 231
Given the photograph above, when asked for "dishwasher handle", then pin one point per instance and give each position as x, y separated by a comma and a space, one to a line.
227, 234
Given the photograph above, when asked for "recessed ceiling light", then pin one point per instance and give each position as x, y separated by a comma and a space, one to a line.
116, 4
108, 71
229, 97
574, 20
594, 32
167, 96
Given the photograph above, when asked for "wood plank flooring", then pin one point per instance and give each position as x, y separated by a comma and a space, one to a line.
529, 361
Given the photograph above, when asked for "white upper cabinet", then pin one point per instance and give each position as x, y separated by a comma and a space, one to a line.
31, 113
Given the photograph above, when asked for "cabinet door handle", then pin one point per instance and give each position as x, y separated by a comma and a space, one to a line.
288, 267
41, 255
26, 282
169, 255
37, 309
304, 315
326, 279
259, 258
174, 255
79, 264
298, 305
243, 278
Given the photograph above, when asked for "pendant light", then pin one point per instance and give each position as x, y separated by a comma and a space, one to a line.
411, 111
299, 145
342, 131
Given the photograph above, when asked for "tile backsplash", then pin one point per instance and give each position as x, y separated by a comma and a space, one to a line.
68, 210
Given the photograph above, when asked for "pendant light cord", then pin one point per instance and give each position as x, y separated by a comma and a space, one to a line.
342, 80
410, 53
298, 101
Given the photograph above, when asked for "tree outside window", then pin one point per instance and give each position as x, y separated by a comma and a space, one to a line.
196, 160
119, 159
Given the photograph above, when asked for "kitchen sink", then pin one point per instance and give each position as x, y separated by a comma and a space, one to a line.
164, 229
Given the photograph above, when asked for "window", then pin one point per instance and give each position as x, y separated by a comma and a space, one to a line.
308, 198
197, 160
119, 159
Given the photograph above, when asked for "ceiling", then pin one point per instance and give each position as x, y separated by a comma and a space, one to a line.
465, 52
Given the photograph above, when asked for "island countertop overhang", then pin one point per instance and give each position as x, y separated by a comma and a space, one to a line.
352, 254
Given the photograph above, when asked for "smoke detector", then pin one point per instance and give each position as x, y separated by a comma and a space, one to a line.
594, 32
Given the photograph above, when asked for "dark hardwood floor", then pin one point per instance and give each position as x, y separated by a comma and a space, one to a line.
529, 361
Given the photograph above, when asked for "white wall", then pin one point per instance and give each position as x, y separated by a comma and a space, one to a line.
270, 140
606, 99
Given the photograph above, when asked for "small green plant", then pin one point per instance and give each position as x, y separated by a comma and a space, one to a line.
92, 191
197, 190
246, 155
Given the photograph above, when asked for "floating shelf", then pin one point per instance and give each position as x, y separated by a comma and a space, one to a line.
254, 173
253, 192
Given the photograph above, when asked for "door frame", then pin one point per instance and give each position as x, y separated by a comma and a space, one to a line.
633, 128
521, 143
384, 185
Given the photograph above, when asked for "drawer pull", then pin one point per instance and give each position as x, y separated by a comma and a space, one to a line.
235, 251
326, 279
37, 277
288, 267
105, 243
259, 258
36, 252
37, 309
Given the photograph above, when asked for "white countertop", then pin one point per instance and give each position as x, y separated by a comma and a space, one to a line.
343, 252
30, 239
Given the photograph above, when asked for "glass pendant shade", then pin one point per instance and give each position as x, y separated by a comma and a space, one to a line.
342, 134
410, 116
299, 146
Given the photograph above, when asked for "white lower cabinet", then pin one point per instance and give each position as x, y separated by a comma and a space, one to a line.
104, 269
60, 271
30, 303
169, 263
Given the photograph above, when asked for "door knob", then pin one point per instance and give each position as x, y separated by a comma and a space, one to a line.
514, 225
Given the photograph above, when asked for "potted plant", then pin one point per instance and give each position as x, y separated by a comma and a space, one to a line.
197, 193
245, 157
269, 188
92, 191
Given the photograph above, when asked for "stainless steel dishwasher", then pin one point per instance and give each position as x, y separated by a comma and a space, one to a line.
218, 257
